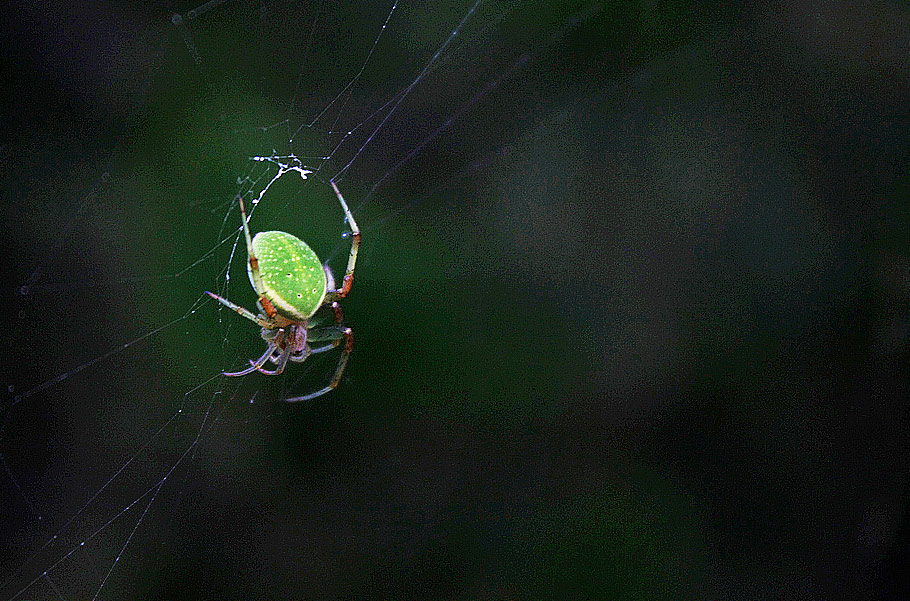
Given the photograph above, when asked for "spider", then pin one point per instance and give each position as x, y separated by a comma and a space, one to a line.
293, 285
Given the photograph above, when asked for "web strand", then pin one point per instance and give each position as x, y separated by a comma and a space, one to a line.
407, 91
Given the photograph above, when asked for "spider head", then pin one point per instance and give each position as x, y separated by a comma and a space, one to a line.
291, 335
296, 337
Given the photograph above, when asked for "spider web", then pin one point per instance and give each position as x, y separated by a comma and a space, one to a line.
125, 452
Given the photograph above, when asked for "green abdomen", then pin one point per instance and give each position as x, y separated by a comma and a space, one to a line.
291, 273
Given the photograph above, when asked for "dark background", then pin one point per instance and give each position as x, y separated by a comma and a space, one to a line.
633, 325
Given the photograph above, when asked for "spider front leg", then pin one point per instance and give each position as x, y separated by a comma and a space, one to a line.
340, 293
264, 302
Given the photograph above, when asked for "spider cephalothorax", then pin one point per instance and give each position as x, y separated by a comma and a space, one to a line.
293, 285
291, 340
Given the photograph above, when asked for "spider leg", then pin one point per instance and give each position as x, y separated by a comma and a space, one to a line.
276, 336
339, 369
322, 349
340, 293
334, 334
257, 364
254, 265
282, 363
331, 334
301, 355
243, 312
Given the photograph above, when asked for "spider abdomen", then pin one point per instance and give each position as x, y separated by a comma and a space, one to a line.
291, 273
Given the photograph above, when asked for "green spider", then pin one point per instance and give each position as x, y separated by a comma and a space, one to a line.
293, 284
